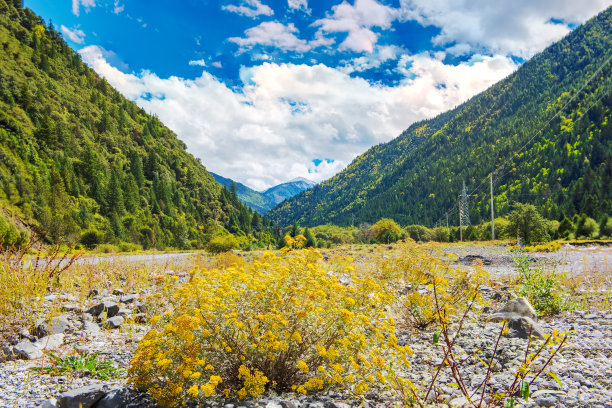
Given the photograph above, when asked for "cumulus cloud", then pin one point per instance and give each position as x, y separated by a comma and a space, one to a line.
301, 5
250, 8
272, 33
357, 20
520, 28
285, 115
199, 62
76, 5
74, 35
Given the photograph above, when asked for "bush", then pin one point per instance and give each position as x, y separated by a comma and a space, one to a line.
542, 288
419, 233
566, 228
605, 227
222, 243
386, 231
91, 238
280, 323
587, 228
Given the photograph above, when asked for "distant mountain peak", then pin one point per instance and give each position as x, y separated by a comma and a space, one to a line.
303, 180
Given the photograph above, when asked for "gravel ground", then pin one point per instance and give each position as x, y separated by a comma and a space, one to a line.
584, 366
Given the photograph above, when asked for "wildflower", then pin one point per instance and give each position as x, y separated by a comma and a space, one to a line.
303, 366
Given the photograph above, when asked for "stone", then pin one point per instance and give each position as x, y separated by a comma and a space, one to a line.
124, 312
546, 401
523, 326
71, 307
50, 403
114, 322
58, 324
111, 309
84, 397
515, 307
273, 404
51, 342
118, 292
459, 402
141, 307
26, 350
140, 318
90, 328
128, 298
114, 399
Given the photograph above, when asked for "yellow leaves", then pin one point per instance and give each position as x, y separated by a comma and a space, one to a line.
193, 391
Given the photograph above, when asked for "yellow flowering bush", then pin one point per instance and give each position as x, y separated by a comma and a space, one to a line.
280, 322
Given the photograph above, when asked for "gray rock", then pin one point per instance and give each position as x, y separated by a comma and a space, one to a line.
140, 318
51, 342
546, 401
128, 298
118, 292
516, 307
141, 307
58, 324
124, 312
116, 398
85, 397
273, 404
50, 403
114, 322
90, 328
111, 309
26, 350
523, 326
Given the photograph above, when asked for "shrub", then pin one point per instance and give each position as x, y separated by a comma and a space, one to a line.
222, 243
566, 228
280, 323
605, 227
587, 228
91, 238
386, 231
419, 233
542, 288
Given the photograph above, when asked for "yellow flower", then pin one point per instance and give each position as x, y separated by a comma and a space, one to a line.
302, 366
193, 391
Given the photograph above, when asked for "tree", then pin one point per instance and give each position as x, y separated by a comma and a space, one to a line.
386, 231
311, 241
566, 227
587, 227
526, 223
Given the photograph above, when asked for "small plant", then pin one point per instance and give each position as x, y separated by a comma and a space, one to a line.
542, 288
81, 366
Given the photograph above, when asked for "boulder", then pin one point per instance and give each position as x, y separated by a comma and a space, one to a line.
116, 398
128, 298
519, 307
110, 308
58, 324
51, 342
114, 322
84, 397
521, 327
26, 350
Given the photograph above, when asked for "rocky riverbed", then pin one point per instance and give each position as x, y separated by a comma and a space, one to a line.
112, 324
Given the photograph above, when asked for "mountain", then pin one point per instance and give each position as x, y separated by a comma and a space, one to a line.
254, 199
287, 190
561, 163
79, 161
264, 201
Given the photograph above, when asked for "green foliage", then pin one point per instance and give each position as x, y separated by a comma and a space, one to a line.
416, 178
605, 227
526, 223
223, 243
386, 231
542, 288
566, 228
311, 241
81, 365
76, 156
587, 227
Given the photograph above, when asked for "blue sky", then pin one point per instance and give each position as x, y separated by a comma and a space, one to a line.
264, 91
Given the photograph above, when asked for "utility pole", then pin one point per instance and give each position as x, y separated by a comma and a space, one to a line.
460, 224
492, 211
464, 210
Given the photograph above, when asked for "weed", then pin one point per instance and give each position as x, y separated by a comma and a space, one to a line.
78, 365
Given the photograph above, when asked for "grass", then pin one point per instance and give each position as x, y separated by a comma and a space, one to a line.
81, 365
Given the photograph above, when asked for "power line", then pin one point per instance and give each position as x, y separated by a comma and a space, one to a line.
499, 168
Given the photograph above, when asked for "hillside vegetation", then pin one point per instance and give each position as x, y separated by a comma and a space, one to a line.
79, 161
565, 170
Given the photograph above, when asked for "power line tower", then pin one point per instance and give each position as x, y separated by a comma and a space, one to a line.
464, 210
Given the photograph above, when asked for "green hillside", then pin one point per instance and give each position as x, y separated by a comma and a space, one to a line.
253, 199
80, 162
417, 177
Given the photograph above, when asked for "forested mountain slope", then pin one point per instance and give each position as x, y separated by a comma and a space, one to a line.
566, 169
78, 160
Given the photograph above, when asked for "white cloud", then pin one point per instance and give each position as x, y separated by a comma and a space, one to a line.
217, 64
287, 115
118, 8
357, 20
199, 62
250, 8
298, 5
518, 27
75, 35
272, 33
76, 5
